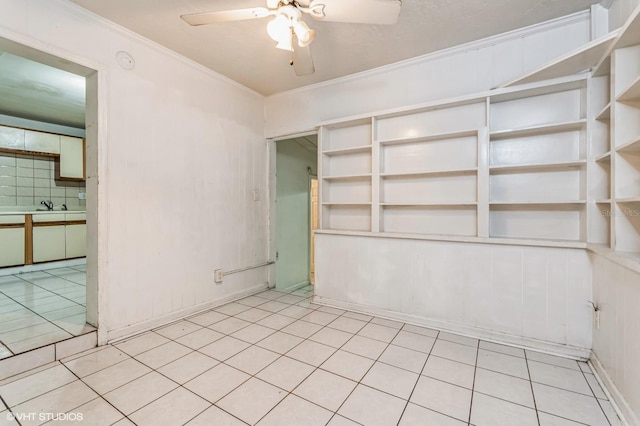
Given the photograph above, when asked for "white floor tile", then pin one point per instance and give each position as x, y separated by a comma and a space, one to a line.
456, 338
358, 316
280, 342
296, 312
560, 377
174, 408
610, 413
229, 325
387, 323
330, 310
365, 347
414, 341
290, 299
372, 408
188, 367
415, 415
378, 332
140, 392
331, 337
141, 343
273, 306
213, 416
296, 411
217, 382
76, 345
389, 379
585, 367
252, 301
276, 321
505, 387
349, 325
253, 315
489, 411
302, 329
338, 420
162, 355
320, 318
325, 389
253, 333
503, 349
553, 360
178, 329
224, 348
570, 405
96, 361
449, 371
404, 358
231, 308
207, 318
112, 377
551, 420
348, 365
97, 412
252, 359
286, 373
34, 385
200, 338
501, 363
424, 331
311, 352
442, 397
455, 351
252, 400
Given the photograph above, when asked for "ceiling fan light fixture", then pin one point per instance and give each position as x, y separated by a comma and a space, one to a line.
279, 29
304, 34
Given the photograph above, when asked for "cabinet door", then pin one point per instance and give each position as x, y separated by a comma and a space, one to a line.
41, 142
71, 158
76, 241
11, 246
48, 243
11, 138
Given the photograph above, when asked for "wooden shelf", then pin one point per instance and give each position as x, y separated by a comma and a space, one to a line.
537, 130
631, 93
605, 114
427, 173
410, 204
604, 158
430, 138
348, 177
536, 167
630, 32
631, 147
536, 203
628, 200
346, 151
346, 204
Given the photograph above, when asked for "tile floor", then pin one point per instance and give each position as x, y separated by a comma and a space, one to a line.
277, 359
40, 308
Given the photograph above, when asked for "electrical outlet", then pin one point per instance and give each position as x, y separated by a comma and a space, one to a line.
82, 195
217, 276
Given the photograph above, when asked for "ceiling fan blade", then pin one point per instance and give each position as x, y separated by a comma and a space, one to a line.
382, 12
225, 16
302, 60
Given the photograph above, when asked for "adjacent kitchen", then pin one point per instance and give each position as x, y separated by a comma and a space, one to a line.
42, 205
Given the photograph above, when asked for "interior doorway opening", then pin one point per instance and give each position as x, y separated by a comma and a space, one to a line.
296, 162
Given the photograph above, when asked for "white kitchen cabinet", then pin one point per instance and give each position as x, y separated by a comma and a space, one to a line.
12, 246
11, 138
71, 158
41, 142
75, 237
49, 243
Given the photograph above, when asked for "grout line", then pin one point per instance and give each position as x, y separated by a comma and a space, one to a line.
594, 395
473, 384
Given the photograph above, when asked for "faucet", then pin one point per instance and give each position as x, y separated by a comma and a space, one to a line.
48, 204
64, 207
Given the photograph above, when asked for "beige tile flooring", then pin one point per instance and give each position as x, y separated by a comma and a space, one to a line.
277, 359
40, 308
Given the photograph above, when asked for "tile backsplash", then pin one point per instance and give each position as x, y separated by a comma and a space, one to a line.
25, 180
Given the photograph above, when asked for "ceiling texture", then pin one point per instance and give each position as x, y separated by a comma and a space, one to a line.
243, 51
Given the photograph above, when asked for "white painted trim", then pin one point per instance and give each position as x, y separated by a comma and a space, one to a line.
474, 45
619, 403
294, 287
612, 255
606, 3
581, 354
124, 332
157, 47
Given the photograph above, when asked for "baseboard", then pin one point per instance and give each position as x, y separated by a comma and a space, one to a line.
294, 287
125, 332
572, 352
610, 389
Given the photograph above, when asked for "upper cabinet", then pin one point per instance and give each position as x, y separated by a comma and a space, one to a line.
68, 150
72, 164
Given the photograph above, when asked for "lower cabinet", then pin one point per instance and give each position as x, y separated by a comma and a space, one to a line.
12, 247
49, 243
75, 241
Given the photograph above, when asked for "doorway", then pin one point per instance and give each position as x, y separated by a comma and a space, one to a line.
296, 162
57, 299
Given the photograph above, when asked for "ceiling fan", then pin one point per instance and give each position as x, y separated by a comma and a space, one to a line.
290, 31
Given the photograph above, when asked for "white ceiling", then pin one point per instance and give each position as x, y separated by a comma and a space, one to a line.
243, 51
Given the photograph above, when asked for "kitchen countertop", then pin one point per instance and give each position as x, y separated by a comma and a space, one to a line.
22, 210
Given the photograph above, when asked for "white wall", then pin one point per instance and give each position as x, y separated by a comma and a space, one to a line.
182, 151
616, 344
532, 296
619, 11
292, 205
462, 70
